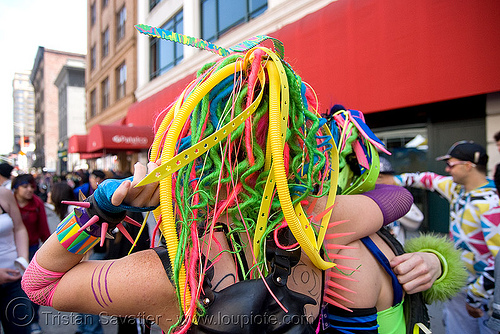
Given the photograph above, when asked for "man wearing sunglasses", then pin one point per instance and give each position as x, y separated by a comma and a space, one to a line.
470, 194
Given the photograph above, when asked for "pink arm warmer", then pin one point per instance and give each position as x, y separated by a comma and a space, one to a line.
40, 283
393, 201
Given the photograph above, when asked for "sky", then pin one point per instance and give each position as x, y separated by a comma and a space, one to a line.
26, 25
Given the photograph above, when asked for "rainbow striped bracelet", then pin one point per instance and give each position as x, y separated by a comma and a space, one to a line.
75, 241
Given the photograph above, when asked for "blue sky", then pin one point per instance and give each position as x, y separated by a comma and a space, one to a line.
26, 25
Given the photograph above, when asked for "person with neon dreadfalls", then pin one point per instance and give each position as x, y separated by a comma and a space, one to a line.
243, 180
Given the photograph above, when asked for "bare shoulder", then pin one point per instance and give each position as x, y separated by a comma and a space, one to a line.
5, 192
6, 198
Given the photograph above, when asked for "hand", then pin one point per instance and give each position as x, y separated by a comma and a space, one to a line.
474, 312
145, 196
416, 271
9, 275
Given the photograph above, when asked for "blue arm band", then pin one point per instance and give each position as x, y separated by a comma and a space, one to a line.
105, 191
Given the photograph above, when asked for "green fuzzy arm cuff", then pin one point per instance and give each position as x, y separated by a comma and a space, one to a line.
453, 277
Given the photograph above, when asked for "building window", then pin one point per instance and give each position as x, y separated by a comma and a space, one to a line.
105, 42
121, 17
93, 14
121, 79
93, 103
153, 3
105, 93
104, 3
218, 16
166, 54
93, 58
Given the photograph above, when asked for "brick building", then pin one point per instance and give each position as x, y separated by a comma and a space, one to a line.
48, 63
111, 80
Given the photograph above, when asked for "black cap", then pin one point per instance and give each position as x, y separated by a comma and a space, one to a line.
467, 151
99, 173
5, 169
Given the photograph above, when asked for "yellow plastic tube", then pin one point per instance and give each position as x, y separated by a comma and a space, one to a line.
167, 226
304, 225
275, 134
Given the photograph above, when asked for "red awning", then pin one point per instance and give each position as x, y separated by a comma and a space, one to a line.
119, 138
77, 144
87, 156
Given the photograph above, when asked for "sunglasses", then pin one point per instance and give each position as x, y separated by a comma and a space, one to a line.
452, 164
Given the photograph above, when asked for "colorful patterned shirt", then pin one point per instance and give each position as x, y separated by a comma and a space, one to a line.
470, 229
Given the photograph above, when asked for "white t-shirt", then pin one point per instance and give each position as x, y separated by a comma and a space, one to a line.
7, 184
8, 250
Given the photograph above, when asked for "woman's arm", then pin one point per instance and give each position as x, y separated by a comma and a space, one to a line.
136, 285
362, 217
371, 284
56, 258
20, 233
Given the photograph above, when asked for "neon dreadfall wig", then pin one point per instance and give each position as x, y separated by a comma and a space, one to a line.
244, 141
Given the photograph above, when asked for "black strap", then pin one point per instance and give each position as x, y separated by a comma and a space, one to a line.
162, 253
282, 260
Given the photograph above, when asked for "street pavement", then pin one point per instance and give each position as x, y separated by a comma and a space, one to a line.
436, 315
57, 322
